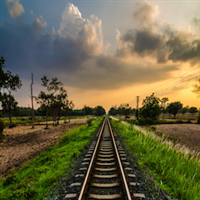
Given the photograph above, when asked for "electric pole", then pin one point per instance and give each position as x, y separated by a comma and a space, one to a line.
136, 113
32, 99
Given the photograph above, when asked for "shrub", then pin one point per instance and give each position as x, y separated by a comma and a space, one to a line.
2, 126
146, 121
179, 121
198, 118
89, 121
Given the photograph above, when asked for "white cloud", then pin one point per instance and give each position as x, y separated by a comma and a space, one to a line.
39, 22
88, 33
15, 9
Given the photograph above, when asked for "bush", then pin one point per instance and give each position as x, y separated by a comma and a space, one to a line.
146, 121
89, 121
2, 126
179, 121
198, 118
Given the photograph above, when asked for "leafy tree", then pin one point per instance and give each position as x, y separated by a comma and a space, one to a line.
10, 83
71, 107
2, 74
151, 109
48, 99
1, 85
9, 105
163, 106
112, 111
99, 110
184, 110
193, 110
58, 103
87, 110
196, 89
174, 107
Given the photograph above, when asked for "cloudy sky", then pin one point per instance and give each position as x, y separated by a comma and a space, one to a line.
105, 52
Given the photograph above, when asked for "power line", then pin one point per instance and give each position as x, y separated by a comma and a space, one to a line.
171, 83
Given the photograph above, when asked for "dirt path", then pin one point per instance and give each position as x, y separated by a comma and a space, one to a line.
23, 143
188, 133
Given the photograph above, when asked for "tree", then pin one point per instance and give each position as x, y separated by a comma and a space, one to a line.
174, 107
151, 109
193, 110
9, 105
87, 110
163, 101
99, 110
184, 110
31, 86
196, 89
50, 99
2, 74
113, 110
10, 83
71, 107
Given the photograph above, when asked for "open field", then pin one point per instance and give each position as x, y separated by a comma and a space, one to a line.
23, 143
189, 134
191, 117
38, 120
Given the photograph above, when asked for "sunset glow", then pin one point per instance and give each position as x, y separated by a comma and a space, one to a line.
105, 53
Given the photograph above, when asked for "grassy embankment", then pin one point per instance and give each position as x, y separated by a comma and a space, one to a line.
176, 169
35, 179
28, 120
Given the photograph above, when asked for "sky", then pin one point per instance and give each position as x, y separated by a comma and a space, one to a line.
105, 52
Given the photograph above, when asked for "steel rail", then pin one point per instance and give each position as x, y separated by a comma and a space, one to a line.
84, 187
120, 165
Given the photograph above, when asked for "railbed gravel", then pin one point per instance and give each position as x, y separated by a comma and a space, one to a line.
147, 185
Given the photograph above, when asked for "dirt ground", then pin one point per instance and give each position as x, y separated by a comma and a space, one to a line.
23, 143
188, 133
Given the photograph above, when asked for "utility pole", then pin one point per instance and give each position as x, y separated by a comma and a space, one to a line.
32, 99
136, 113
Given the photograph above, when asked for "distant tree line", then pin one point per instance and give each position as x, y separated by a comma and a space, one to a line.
152, 108
123, 109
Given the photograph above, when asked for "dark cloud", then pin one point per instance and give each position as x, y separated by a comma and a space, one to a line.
160, 40
75, 52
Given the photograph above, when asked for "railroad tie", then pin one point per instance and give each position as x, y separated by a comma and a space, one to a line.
105, 185
79, 175
72, 195
111, 196
139, 195
105, 176
106, 169
83, 168
106, 164
85, 163
132, 175
75, 184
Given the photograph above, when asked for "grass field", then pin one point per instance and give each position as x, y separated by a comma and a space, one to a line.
175, 168
36, 178
38, 119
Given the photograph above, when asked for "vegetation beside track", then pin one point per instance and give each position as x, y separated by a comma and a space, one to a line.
176, 170
38, 119
35, 179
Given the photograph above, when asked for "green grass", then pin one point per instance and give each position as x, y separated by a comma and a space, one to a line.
35, 179
176, 169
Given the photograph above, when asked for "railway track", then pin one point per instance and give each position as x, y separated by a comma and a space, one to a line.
105, 172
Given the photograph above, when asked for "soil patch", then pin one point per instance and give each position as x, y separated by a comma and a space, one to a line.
189, 134
23, 143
